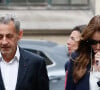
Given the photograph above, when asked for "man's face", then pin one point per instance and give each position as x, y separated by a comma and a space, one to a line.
8, 39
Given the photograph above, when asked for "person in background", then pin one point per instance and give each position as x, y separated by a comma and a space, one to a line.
84, 68
19, 69
72, 44
73, 41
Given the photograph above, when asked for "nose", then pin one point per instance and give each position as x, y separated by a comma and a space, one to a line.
4, 41
69, 41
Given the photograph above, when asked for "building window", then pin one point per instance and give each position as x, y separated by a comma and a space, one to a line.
45, 2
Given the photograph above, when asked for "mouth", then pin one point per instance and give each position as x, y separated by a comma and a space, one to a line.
5, 48
69, 48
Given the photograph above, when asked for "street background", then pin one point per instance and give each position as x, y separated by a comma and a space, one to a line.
52, 25
51, 20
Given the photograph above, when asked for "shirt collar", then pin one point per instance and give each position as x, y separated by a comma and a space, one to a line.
17, 54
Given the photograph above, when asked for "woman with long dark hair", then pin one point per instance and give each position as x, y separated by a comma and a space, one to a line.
84, 69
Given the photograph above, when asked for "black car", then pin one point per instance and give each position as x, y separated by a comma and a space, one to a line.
55, 57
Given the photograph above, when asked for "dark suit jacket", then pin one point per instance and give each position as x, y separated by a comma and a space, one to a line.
32, 73
67, 65
83, 84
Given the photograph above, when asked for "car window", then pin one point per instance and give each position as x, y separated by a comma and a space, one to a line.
47, 60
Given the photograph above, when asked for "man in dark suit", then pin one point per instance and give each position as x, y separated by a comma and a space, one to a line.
19, 69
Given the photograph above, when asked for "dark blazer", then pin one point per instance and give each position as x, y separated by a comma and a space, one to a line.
83, 84
67, 65
32, 73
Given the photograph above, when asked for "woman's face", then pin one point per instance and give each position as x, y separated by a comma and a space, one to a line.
96, 42
73, 41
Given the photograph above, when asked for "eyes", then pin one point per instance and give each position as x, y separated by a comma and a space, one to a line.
74, 39
93, 42
8, 36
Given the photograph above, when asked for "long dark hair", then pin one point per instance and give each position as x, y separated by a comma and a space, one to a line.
84, 49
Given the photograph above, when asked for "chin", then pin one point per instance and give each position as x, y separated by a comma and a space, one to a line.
5, 52
69, 53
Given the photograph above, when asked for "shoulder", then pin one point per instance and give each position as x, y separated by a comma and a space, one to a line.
31, 57
67, 65
74, 55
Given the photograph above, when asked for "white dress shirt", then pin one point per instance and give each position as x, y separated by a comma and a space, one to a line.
9, 71
94, 78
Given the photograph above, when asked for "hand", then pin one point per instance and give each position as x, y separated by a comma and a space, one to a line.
97, 58
97, 61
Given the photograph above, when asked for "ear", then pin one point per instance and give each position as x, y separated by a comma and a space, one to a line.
20, 35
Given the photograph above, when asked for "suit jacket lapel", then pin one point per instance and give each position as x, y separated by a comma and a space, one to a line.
1, 82
22, 69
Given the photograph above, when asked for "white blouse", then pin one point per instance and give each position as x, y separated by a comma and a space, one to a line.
94, 78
